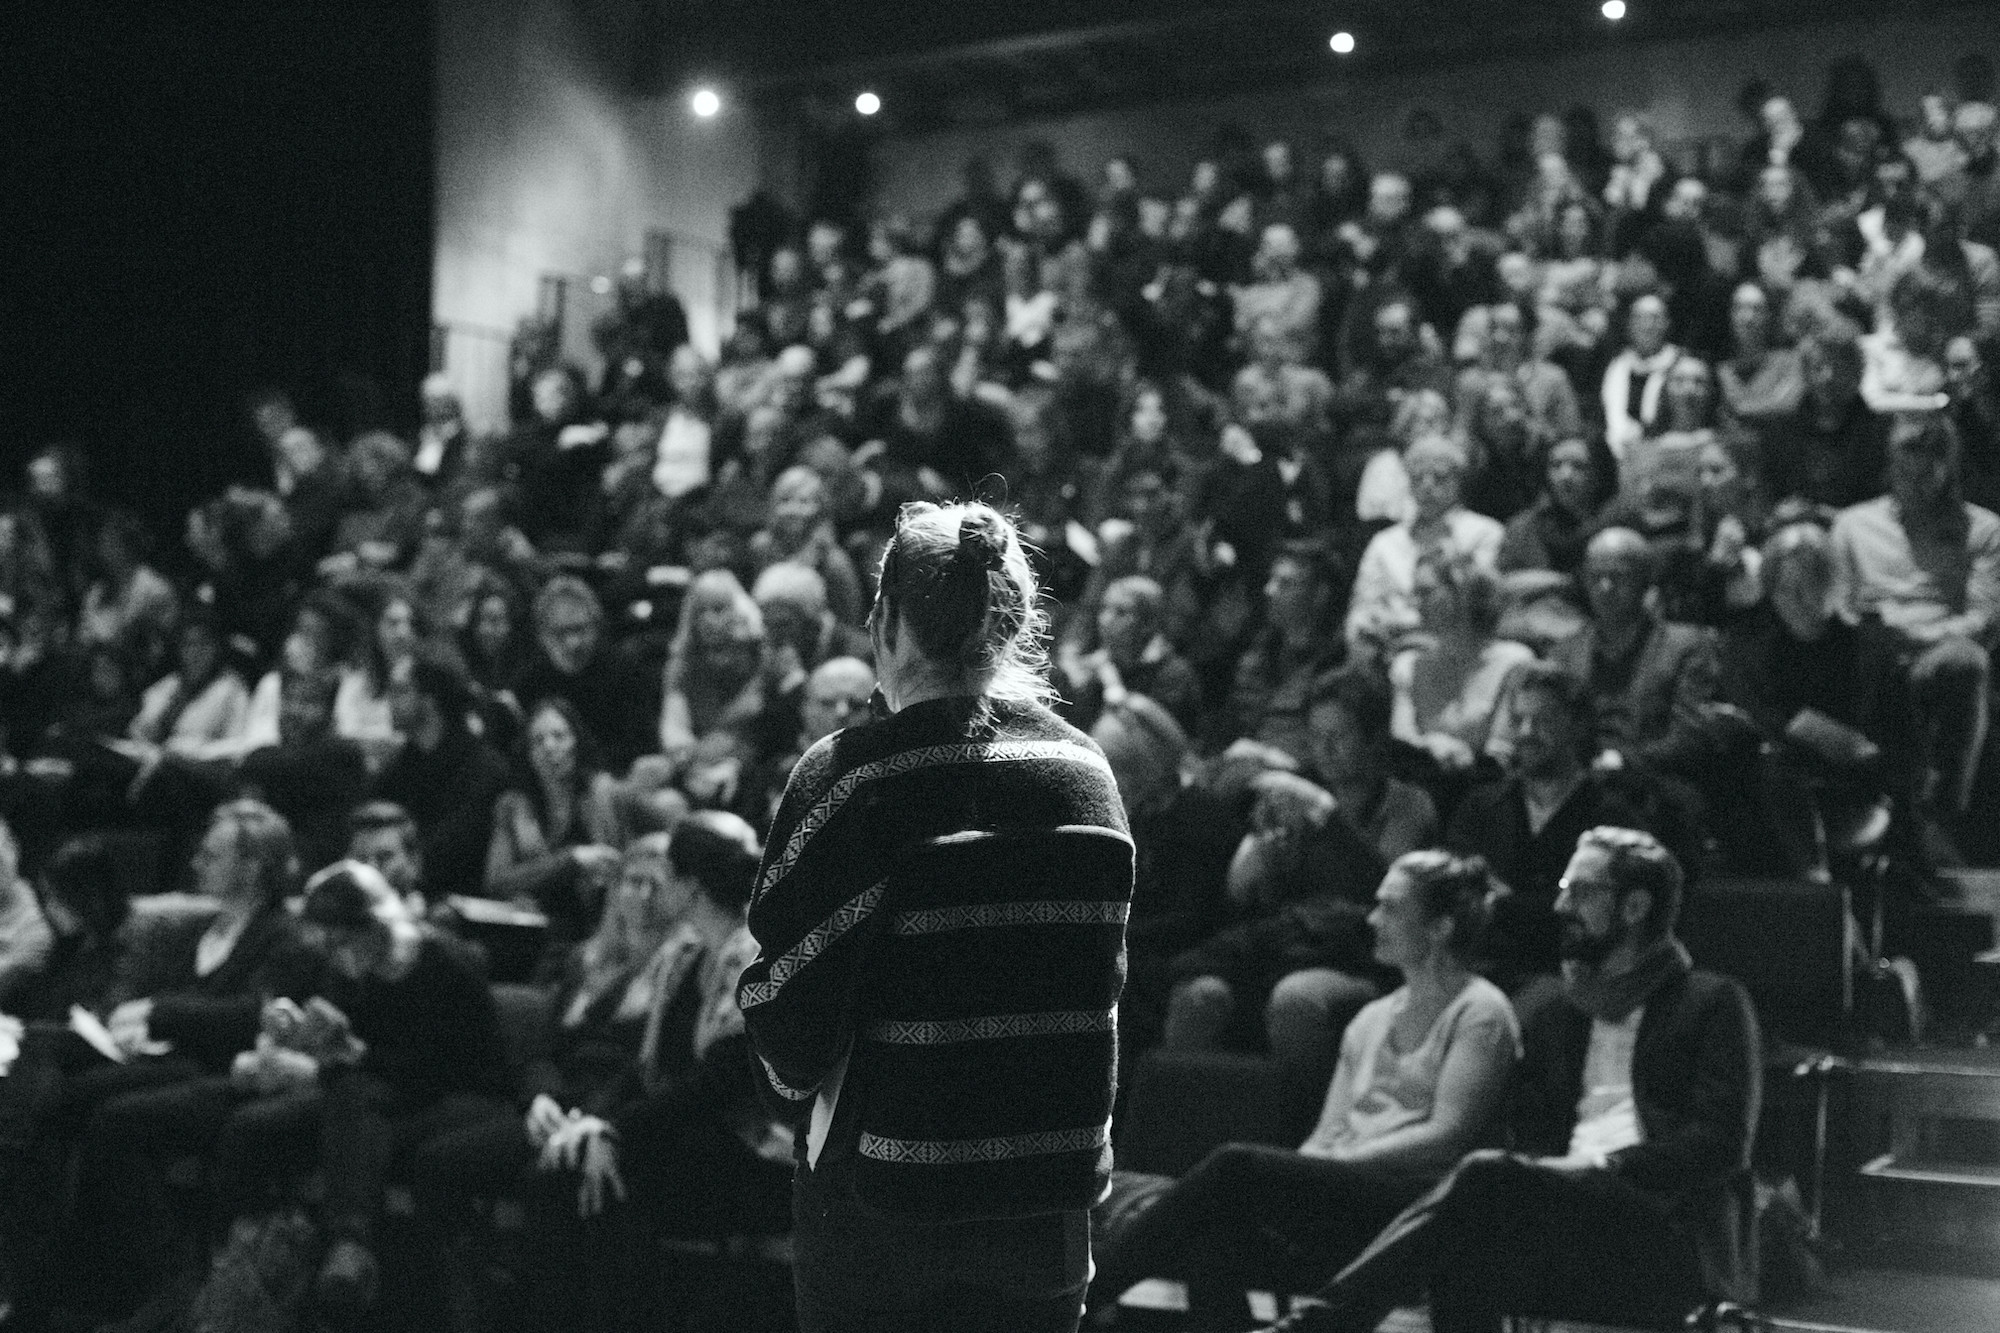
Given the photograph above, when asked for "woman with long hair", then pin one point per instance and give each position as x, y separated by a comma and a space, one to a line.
941, 919
557, 832
648, 1107
1420, 1080
714, 690
397, 628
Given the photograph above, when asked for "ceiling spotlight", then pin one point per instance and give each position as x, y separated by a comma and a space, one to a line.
1614, 9
1342, 43
868, 104
705, 102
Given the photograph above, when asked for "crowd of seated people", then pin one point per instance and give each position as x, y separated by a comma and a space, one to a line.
1384, 515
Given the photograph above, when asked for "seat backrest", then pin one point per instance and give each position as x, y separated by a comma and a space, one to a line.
1184, 1104
524, 1023
1785, 940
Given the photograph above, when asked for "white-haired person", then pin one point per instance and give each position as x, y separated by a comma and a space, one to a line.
941, 915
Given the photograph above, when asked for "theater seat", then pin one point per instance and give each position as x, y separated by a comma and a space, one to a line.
1184, 1104
524, 1023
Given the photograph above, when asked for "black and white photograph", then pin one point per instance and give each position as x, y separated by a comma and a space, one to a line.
1000, 666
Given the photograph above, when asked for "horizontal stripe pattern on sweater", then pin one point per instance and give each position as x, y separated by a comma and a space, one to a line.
956, 1152
992, 1027
937, 920
934, 756
943, 907
850, 914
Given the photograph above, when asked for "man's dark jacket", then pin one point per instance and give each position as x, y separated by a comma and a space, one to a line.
1697, 1079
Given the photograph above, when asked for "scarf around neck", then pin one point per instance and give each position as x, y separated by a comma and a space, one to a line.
1613, 998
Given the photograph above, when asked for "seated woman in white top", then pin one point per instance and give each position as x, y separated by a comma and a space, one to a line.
1383, 606
195, 712
1420, 1082
1449, 683
361, 705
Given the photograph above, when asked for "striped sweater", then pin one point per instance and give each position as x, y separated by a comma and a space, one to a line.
941, 918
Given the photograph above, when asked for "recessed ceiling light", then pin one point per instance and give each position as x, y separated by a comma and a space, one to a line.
1614, 9
705, 102
1342, 43
868, 104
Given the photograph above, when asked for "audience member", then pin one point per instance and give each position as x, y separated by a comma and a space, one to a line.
1919, 570
557, 831
1298, 957
1449, 685
1421, 1078
1579, 477
1650, 681
1636, 380
1383, 605
1619, 1202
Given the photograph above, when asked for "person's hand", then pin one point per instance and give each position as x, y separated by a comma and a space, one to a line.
281, 1021
1111, 682
326, 1034
677, 751
783, 666
715, 783
1730, 540
599, 1170
378, 554
1238, 447
287, 1071
594, 859
1608, 761
130, 1026
1329, 1149
1289, 804
48, 768
1572, 1164
271, 1068
1453, 755
338, 565
565, 1147
545, 1117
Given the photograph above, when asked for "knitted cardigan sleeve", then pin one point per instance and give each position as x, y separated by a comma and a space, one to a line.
813, 913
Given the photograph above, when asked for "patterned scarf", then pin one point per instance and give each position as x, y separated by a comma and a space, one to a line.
1613, 998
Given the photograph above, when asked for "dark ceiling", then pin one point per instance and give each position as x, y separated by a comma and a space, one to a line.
959, 62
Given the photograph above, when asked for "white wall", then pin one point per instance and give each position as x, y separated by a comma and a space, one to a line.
1687, 87
545, 165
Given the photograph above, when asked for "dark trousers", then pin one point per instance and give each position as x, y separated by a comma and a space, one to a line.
57, 1086
1502, 1235
860, 1272
1252, 1216
358, 1124
123, 1214
686, 1174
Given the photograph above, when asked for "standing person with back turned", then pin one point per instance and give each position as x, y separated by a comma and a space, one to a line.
941, 912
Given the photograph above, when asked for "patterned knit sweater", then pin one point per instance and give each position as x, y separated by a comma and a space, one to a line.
941, 913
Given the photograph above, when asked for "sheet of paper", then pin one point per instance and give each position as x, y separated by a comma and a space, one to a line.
489, 912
